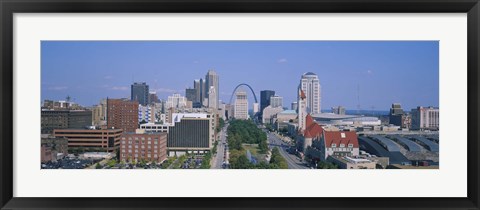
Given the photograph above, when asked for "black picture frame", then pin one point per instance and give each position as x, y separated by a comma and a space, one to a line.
9, 7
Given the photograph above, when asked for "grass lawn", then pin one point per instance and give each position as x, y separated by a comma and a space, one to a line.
255, 151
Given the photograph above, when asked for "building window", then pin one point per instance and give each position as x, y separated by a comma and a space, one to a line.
334, 145
342, 145
350, 145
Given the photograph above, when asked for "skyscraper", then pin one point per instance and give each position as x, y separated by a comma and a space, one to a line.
212, 101
241, 105
139, 92
191, 95
310, 85
265, 98
276, 101
212, 79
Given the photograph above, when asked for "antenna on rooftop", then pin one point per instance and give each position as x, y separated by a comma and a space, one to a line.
358, 98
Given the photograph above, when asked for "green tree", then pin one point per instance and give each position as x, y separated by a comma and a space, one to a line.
98, 166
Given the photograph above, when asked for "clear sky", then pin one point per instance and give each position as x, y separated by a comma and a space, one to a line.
380, 72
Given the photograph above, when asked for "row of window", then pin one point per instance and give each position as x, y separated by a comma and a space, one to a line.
136, 155
136, 151
143, 147
342, 145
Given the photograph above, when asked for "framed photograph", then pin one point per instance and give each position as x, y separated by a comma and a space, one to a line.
239, 105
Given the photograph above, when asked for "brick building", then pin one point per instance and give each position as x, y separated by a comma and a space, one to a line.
139, 146
123, 114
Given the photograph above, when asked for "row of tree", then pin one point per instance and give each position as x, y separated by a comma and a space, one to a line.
245, 131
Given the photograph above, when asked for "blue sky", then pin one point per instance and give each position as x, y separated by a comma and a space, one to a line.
385, 72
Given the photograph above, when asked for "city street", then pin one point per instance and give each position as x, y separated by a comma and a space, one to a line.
293, 161
222, 150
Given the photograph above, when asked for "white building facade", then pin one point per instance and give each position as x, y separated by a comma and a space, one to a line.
276, 101
241, 105
425, 118
176, 101
310, 85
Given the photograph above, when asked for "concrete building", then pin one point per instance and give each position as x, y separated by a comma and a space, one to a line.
425, 118
146, 113
294, 106
256, 108
265, 96
396, 114
141, 145
276, 101
310, 85
212, 100
140, 93
176, 101
99, 113
157, 128
190, 135
269, 112
347, 162
212, 79
122, 114
82, 140
283, 118
59, 119
241, 105
340, 110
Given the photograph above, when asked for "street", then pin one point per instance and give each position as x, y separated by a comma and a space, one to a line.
222, 150
293, 161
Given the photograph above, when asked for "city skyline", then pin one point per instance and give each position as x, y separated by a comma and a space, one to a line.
401, 72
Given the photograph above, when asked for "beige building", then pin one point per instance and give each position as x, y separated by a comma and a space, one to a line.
425, 118
241, 105
269, 112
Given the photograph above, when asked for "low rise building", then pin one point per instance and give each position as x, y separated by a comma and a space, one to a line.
61, 119
87, 140
141, 145
53, 148
346, 162
269, 112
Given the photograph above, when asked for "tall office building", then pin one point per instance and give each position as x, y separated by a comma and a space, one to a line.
425, 118
140, 93
265, 98
212, 79
123, 114
241, 105
191, 94
212, 101
276, 101
396, 114
294, 106
310, 85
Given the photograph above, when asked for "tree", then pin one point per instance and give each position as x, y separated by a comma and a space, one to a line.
98, 166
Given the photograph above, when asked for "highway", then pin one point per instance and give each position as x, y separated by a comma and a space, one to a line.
222, 150
293, 161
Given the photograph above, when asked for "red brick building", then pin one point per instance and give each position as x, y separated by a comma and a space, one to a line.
149, 147
82, 140
123, 114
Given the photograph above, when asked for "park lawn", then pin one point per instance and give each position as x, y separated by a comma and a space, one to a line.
254, 150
